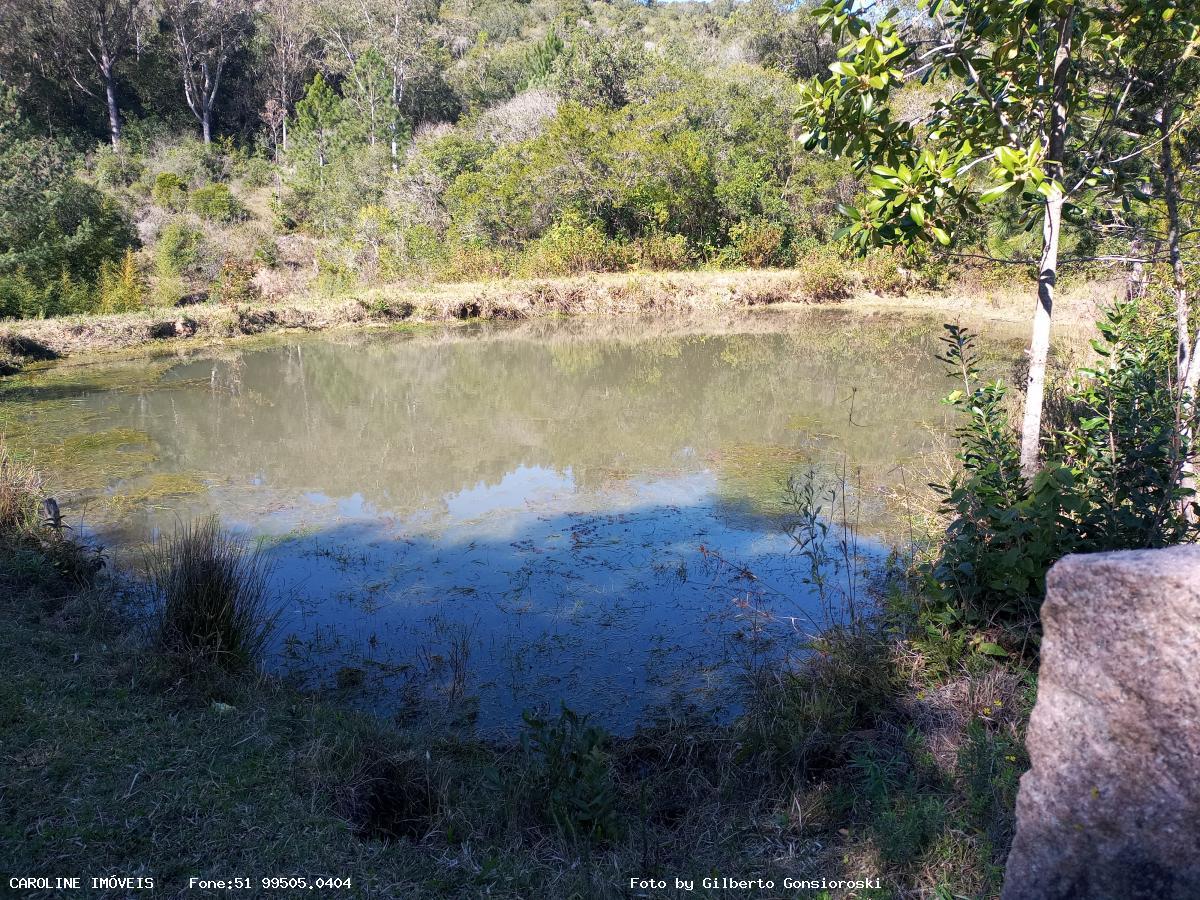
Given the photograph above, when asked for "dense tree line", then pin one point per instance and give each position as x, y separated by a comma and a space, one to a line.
416, 137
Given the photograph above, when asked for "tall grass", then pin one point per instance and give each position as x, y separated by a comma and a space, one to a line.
21, 492
212, 598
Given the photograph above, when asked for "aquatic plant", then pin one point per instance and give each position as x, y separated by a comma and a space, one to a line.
211, 597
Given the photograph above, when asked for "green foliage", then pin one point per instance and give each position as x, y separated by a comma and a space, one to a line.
1110, 479
216, 203
801, 720
758, 243
169, 190
882, 273
542, 57
122, 287
664, 252
596, 71
571, 247
823, 277
117, 168
1004, 534
573, 774
1124, 437
211, 599
178, 249
55, 231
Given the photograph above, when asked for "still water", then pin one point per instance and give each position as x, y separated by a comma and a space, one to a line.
479, 520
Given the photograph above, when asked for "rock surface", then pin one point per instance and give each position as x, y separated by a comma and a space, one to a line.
1111, 805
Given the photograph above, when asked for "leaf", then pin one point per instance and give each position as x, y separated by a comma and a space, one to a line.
991, 649
940, 233
843, 68
918, 214
993, 194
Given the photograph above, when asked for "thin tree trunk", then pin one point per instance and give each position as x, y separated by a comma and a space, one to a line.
206, 126
1039, 343
1187, 370
1171, 196
114, 113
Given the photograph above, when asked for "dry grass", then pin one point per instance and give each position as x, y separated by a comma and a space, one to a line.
21, 494
662, 295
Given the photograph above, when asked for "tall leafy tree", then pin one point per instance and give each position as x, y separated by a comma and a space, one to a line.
1026, 112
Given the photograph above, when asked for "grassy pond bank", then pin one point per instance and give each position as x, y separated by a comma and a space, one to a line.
699, 536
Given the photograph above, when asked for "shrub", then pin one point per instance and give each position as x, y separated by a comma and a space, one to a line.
216, 203
169, 190
178, 249
1109, 481
117, 168
573, 774
211, 599
572, 247
882, 273
472, 262
236, 284
255, 171
664, 252
758, 243
823, 278
122, 288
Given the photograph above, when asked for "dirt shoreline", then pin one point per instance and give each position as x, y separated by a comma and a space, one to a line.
690, 294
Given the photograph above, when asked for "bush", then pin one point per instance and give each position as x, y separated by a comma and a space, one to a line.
178, 249
573, 774
572, 247
117, 168
823, 278
255, 171
664, 252
122, 288
216, 203
882, 273
1110, 479
758, 243
236, 284
169, 190
211, 599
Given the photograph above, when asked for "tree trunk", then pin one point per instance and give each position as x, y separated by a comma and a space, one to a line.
114, 113
1171, 196
1039, 343
1186, 368
206, 125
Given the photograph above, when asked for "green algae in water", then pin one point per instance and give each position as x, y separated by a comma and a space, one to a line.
156, 489
752, 477
98, 459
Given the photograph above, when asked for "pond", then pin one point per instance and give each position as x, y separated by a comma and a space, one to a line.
483, 519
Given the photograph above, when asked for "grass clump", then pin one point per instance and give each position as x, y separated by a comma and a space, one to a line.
21, 491
212, 599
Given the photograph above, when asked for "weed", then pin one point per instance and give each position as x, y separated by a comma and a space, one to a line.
573, 774
211, 597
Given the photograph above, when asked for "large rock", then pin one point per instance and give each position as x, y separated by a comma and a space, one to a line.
1111, 805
